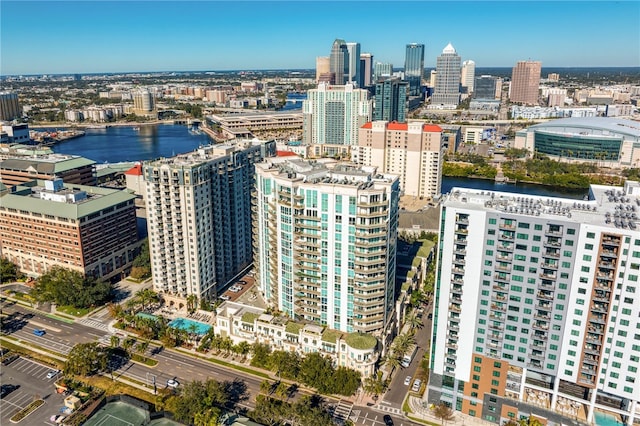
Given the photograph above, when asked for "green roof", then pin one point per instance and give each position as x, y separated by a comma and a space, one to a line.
330, 335
425, 248
293, 327
97, 200
361, 341
250, 317
405, 286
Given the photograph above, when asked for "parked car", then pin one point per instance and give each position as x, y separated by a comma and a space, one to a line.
39, 332
6, 389
388, 421
407, 380
224, 297
173, 383
416, 385
53, 373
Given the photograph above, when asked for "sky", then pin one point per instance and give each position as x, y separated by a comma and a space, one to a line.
59, 37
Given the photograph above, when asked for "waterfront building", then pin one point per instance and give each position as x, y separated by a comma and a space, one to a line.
322, 66
536, 312
46, 223
366, 70
325, 243
411, 150
354, 75
144, 103
525, 81
332, 116
382, 70
467, 75
487, 87
611, 142
199, 217
72, 169
447, 89
17, 133
339, 61
9, 106
414, 67
242, 125
242, 323
391, 100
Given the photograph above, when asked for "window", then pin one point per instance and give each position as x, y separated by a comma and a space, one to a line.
588, 246
586, 258
492, 221
591, 235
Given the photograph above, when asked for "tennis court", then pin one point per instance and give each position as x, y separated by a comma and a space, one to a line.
118, 413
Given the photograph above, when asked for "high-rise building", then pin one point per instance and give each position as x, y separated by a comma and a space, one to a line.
468, 74
417, 160
354, 74
326, 243
366, 70
144, 102
339, 61
391, 100
332, 116
486, 87
69, 168
537, 309
89, 229
9, 106
447, 90
525, 82
382, 70
199, 217
414, 67
322, 66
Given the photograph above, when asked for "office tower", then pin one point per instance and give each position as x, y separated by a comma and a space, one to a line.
433, 75
553, 76
468, 74
326, 243
537, 307
322, 66
414, 67
70, 168
144, 102
486, 87
525, 80
354, 74
199, 217
417, 160
9, 106
332, 116
46, 223
366, 70
382, 70
391, 100
339, 61
447, 90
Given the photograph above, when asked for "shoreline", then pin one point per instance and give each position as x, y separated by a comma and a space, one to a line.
89, 125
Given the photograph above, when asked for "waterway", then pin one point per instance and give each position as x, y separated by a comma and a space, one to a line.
146, 142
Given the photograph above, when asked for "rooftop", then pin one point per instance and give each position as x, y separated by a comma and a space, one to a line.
361, 341
47, 164
613, 125
206, 153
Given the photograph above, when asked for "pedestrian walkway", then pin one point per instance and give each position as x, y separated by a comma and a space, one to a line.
387, 408
93, 323
342, 411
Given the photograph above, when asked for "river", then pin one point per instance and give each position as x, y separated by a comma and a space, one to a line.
521, 188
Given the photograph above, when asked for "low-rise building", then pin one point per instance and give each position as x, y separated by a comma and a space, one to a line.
72, 169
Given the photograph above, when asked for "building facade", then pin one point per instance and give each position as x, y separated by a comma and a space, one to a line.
354, 75
199, 217
72, 169
322, 66
414, 67
486, 87
525, 82
332, 116
468, 75
9, 106
325, 243
339, 61
382, 70
46, 223
391, 100
366, 70
447, 89
144, 103
536, 312
411, 150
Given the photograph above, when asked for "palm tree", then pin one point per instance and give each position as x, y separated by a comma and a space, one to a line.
128, 344
413, 320
243, 348
444, 412
141, 348
192, 303
115, 310
145, 297
115, 342
392, 361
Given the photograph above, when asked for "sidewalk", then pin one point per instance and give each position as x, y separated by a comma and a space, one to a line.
421, 411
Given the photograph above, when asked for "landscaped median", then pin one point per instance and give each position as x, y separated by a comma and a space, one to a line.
22, 414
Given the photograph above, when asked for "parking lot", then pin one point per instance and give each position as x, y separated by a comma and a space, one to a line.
33, 383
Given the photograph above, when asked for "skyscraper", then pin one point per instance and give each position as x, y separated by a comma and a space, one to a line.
199, 217
339, 61
322, 66
391, 100
486, 87
9, 106
414, 67
144, 102
381, 70
366, 70
537, 311
468, 74
354, 74
332, 116
447, 90
525, 82
326, 243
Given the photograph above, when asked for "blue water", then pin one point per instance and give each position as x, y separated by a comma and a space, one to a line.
603, 419
147, 316
185, 324
522, 188
124, 143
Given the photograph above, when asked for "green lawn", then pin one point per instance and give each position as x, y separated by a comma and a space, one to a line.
76, 312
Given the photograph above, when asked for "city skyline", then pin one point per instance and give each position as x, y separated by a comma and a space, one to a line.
93, 37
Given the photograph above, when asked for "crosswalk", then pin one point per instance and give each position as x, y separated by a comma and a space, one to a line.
94, 323
387, 409
342, 411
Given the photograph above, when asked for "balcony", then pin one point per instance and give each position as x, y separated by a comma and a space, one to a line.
609, 253
552, 244
505, 236
459, 261
507, 226
606, 265
504, 258
544, 296
462, 231
505, 247
498, 308
548, 253
461, 241
460, 252
462, 219
504, 278
496, 327
553, 233
500, 267
611, 242
549, 265
599, 308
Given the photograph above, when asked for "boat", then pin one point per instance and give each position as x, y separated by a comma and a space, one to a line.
97, 127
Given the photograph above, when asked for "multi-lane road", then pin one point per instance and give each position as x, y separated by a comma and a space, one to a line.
61, 336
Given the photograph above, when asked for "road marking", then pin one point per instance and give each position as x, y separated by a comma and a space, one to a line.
41, 325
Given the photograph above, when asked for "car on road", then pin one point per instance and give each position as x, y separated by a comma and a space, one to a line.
407, 380
224, 297
173, 383
53, 373
388, 421
416, 385
39, 332
57, 418
6, 389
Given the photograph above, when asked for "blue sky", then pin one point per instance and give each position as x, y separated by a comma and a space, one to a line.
118, 36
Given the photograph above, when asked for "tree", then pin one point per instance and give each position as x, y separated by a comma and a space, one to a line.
128, 344
70, 288
443, 412
86, 359
141, 348
345, 381
192, 303
375, 385
314, 371
8, 270
144, 298
285, 363
261, 353
114, 341
141, 266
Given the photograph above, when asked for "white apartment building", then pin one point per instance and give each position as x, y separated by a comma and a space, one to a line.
199, 217
325, 243
411, 150
537, 310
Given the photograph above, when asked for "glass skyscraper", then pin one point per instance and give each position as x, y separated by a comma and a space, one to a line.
339, 61
447, 90
391, 100
414, 67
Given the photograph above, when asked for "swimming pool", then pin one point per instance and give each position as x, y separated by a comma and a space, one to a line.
147, 316
604, 419
185, 324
